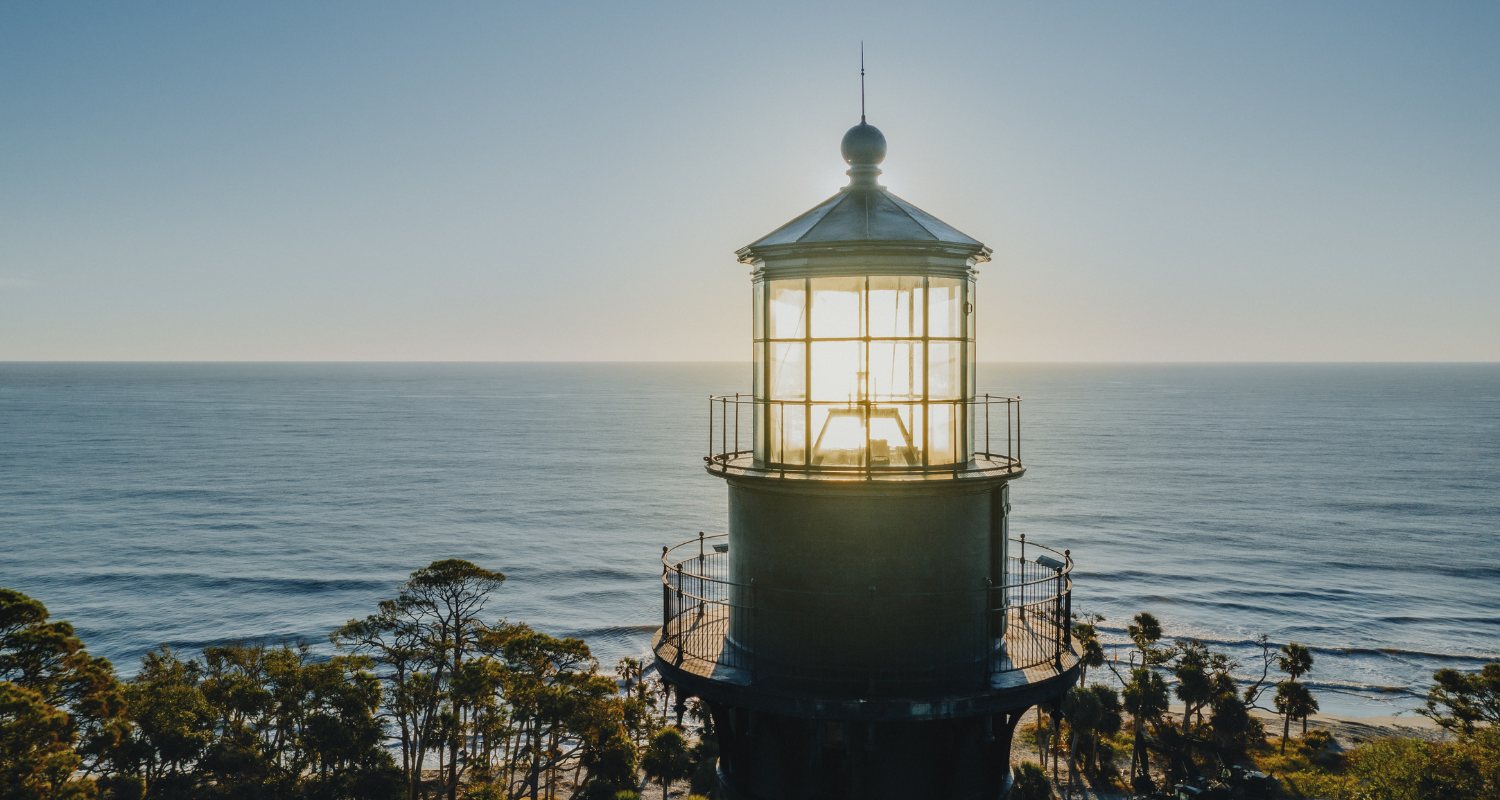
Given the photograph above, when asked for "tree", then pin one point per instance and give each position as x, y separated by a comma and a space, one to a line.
446, 597
64, 708
419, 641
1460, 701
1295, 660
1084, 713
1029, 783
1195, 683
250, 720
1293, 701
1090, 651
173, 722
705, 778
1145, 632
667, 758
1146, 699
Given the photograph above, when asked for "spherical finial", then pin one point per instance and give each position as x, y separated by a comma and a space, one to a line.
864, 145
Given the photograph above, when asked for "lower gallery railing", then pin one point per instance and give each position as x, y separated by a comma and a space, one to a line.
879, 641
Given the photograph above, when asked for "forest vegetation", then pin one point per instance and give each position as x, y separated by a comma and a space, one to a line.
1129, 741
428, 698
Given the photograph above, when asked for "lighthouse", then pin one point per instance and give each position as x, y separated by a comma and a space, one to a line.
869, 626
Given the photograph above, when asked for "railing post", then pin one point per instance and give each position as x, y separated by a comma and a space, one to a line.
666, 600
736, 422
1068, 608
710, 458
1018, 429
679, 608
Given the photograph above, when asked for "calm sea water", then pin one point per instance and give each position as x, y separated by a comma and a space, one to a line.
1353, 508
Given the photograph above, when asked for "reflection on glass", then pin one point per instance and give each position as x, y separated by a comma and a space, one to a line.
788, 309
942, 432
788, 432
895, 306
943, 297
788, 372
942, 370
895, 370
838, 371
838, 308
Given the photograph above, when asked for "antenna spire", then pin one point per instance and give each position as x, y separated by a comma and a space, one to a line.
861, 81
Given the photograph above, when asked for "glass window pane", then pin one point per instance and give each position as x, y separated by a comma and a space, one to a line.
942, 370
838, 307
757, 408
895, 306
895, 370
838, 435
972, 384
942, 308
758, 310
788, 370
838, 371
788, 309
788, 432
941, 433
893, 438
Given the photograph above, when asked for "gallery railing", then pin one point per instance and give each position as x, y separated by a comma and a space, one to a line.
982, 435
875, 641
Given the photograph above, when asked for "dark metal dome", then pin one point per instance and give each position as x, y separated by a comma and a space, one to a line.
864, 144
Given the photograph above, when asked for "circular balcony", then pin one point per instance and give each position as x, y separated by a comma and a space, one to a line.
868, 651
865, 440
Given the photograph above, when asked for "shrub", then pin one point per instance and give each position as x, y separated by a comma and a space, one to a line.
1030, 783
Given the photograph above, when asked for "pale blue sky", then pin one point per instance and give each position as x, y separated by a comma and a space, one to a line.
1159, 181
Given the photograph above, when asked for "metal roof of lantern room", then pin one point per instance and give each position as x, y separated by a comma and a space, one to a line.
864, 216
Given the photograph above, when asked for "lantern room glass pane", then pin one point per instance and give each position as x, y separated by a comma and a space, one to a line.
895, 370
942, 433
788, 371
893, 437
788, 432
758, 310
838, 371
838, 306
788, 309
943, 371
838, 435
758, 384
896, 306
943, 308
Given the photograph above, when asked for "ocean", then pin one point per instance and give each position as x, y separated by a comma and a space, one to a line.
1353, 508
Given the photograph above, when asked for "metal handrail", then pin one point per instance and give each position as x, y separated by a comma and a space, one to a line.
711, 619
973, 420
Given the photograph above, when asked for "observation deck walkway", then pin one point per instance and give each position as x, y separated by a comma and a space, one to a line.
867, 655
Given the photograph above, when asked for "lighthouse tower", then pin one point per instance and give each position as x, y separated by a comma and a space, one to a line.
867, 627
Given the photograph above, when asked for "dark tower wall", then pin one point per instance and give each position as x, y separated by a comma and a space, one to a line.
863, 575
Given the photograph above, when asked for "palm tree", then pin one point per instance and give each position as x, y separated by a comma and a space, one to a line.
1145, 698
1195, 681
1295, 660
1293, 700
1084, 713
668, 758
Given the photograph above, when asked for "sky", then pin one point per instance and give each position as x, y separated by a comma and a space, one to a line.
1160, 181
